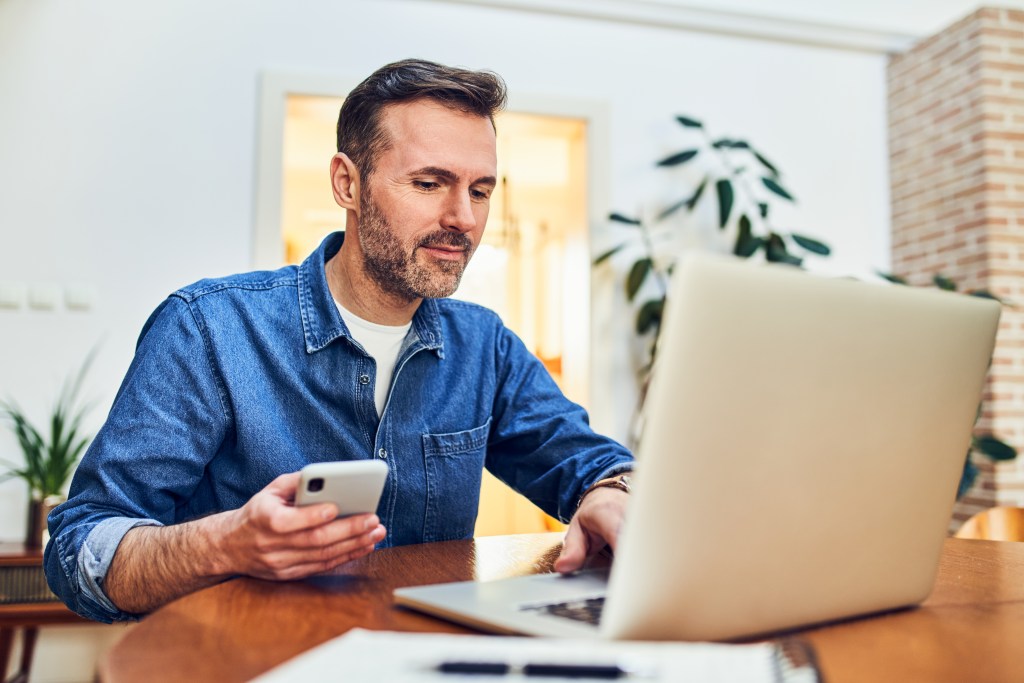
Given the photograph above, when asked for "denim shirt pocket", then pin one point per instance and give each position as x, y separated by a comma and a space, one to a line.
454, 465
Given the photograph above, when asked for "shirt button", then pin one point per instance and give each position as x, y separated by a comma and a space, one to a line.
383, 454
364, 379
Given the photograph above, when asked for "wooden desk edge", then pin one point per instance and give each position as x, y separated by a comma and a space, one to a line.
229, 613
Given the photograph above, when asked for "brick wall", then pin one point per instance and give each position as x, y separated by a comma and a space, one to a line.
956, 137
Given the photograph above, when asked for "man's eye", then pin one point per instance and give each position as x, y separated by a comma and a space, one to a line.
426, 184
480, 194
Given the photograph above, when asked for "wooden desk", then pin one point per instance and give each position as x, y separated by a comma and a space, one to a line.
28, 615
970, 629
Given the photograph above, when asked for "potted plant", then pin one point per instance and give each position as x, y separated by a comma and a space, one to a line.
745, 183
744, 186
50, 459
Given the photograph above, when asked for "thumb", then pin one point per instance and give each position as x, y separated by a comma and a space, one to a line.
284, 486
574, 550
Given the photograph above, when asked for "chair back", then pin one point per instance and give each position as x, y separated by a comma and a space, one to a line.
995, 524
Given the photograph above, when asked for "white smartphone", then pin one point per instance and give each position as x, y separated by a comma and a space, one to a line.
353, 485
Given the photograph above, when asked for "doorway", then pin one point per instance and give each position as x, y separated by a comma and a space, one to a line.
532, 266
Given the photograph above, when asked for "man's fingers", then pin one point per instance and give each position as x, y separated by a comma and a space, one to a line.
285, 519
302, 571
574, 550
284, 486
603, 528
284, 563
321, 535
595, 524
601, 516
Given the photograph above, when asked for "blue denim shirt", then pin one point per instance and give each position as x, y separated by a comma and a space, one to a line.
240, 379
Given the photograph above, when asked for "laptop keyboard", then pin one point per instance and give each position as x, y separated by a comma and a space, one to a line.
587, 610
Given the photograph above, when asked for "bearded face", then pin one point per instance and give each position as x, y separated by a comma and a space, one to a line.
403, 268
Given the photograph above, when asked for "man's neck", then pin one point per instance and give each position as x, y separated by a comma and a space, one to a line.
355, 290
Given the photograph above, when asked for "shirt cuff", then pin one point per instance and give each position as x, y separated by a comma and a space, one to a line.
613, 471
621, 468
95, 557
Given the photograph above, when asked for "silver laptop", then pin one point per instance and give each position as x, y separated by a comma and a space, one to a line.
803, 442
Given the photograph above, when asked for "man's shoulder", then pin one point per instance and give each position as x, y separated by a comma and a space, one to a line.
459, 310
239, 284
467, 325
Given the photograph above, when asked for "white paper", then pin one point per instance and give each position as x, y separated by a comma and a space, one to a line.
392, 657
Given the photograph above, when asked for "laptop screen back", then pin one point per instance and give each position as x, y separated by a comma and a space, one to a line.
802, 445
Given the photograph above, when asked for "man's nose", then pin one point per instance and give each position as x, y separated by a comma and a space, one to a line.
459, 214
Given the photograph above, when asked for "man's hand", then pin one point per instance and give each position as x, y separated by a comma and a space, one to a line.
266, 538
595, 525
270, 539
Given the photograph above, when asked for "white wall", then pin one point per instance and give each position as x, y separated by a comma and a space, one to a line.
129, 138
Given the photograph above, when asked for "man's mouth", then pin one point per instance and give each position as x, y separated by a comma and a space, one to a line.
446, 247
444, 251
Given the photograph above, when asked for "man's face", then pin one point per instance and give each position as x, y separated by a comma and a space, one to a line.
423, 211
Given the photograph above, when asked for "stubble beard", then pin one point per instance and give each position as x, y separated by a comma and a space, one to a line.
394, 266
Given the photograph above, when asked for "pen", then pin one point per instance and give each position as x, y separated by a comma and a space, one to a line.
598, 671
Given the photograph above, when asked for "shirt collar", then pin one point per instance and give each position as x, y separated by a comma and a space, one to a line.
321, 321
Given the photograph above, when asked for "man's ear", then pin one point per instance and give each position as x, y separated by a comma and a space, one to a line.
345, 182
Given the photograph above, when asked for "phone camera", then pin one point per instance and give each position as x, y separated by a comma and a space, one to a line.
315, 485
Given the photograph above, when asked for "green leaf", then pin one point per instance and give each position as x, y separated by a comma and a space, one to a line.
50, 460
637, 275
722, 142
747, 244
672, 209
775, 251
649, 315
811, 245
777, 189
678, 158
744, 226
608, 254
763, 208
895, 279
619, 218
985, 294
767, 164
967, 478
994, 448
688, 122
688, 202
696, 195
725, 197
944, 283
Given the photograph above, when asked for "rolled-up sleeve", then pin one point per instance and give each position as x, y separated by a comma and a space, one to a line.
83, 574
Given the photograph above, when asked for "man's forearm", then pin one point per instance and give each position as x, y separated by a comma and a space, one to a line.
154, 565
268, 537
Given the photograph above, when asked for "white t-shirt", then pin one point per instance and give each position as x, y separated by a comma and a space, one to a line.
382, 343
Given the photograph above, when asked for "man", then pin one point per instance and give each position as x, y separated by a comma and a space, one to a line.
239, 382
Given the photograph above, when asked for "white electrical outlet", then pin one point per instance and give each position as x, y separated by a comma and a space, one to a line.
44, 297
12, 294
80, 297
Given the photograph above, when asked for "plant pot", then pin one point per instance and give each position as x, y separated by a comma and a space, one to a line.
37, 533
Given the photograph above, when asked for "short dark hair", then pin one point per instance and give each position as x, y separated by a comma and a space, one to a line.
360, 134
